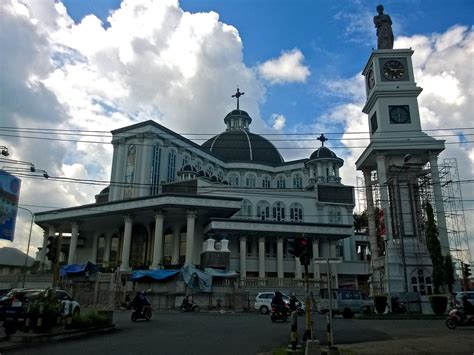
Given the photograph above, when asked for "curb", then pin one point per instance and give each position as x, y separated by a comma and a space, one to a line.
18, 341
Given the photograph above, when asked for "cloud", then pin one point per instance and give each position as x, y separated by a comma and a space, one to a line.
278, 121
285, 69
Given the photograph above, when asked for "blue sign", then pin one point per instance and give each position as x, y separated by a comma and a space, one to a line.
9, 196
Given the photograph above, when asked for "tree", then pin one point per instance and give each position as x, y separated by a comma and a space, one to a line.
434, 248
448, 267
360, 221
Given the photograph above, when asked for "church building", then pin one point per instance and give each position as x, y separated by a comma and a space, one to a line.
170, 201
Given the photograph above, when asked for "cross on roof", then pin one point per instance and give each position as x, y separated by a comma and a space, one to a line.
237, 95
322, 139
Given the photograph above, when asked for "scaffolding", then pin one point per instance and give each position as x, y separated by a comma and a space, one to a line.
454, 210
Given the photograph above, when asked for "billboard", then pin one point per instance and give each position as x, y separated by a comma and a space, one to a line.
9, 196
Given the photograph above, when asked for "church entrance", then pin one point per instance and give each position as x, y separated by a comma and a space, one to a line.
139, 248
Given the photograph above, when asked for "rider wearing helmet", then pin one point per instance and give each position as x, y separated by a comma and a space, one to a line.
277, 301
140, 301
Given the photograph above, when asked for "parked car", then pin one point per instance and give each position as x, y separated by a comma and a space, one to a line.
263, 301
13, 306
346, 302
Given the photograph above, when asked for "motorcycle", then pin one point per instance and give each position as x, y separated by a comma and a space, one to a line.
189, 307
457, 318
280, 313
141, 313
300, 309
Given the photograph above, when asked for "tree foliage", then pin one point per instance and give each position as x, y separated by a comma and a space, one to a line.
360, 221
434, 248
448, 267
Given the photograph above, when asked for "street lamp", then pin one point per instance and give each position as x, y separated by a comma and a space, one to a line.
28, 247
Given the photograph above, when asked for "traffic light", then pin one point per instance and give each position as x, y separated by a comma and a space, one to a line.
52, 248
466, 270
304, 249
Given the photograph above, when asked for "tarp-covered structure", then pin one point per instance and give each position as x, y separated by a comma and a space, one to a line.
194, 278
78, 270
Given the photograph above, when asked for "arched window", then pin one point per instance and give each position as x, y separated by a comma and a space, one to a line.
250, 180
297, 181
338, 216
114, 249
234, 179
296, 212
281, 182
266, 182
171, 166
155, 170
421, 284
186, 160
130, 170
210, 170
263, 210
331, 216
246, 209
198, 165
278, 211
220, 175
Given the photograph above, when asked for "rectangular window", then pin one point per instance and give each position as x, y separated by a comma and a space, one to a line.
171, 166
155, 170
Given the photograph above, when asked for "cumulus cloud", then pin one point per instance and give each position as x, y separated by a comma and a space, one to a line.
287, 68
278, 121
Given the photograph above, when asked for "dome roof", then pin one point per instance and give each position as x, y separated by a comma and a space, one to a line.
241, 145
323, 153
237, 114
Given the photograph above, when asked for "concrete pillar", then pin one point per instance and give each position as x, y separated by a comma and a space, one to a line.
280, 272
107, 247
332, 254
95, 242
316, 268
158, 243
261, 257
439, 206
243, 257
384, 198
73, 245
118, 170
176, 244
298, 269
191, 219
144, 169
127, 240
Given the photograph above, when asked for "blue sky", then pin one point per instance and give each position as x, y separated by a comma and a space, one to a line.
98, 65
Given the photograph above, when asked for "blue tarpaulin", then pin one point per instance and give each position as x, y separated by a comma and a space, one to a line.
78, 269
196, 279
153, 274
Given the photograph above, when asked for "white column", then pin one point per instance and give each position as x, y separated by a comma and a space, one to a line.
95, 242
298, 270
316, 269
73, 245
107, 247
280, 272
332, 253
176, 245
261, 257
243, 257
158, 243
371, 215
191, 219
439, 206
384, 198
127, 240
118, 170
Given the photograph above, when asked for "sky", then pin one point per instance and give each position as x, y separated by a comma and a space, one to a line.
73, 70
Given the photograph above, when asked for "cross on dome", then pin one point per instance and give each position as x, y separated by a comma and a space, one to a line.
322, 139
237, 95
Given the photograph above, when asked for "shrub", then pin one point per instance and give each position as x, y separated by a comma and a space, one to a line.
380, 303
439, 303
89, 320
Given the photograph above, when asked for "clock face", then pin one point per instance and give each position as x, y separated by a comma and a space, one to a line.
393, 70
399, 114
370, 79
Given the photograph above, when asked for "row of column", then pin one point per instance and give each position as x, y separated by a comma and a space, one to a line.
280, 259
127, 239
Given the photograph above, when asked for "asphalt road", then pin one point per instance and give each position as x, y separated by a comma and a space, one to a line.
225, 333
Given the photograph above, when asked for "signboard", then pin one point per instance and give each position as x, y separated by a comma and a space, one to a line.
9, 196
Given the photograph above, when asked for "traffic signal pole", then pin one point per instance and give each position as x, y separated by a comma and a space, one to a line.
308, 334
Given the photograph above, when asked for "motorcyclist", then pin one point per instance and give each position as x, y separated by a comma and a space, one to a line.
293, 302
278, 303
397, 306
140, 301
187, 303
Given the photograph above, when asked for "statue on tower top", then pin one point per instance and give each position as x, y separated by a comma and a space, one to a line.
383, 23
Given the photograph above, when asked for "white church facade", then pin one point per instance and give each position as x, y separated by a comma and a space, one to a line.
168, 195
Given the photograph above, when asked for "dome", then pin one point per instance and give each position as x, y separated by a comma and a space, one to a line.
241, 145
323, 153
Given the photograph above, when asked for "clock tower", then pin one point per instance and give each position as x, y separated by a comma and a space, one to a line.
399, 156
